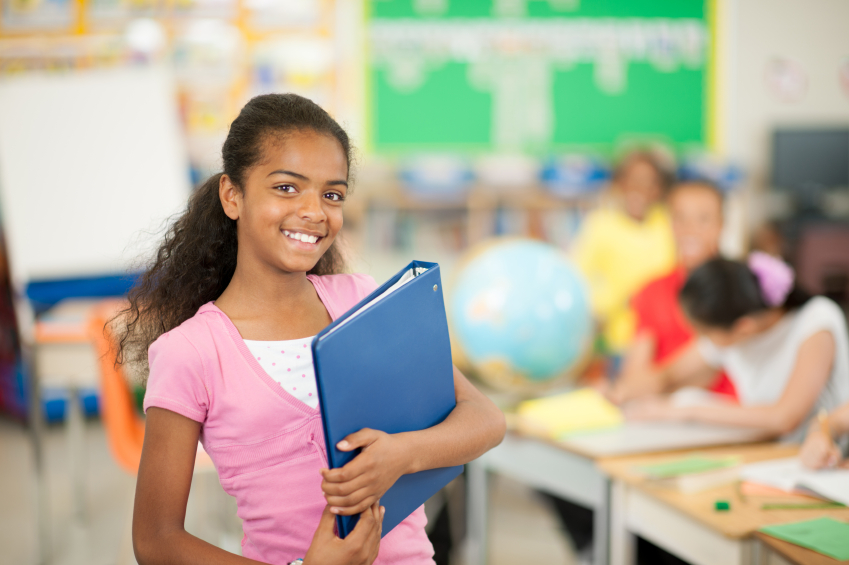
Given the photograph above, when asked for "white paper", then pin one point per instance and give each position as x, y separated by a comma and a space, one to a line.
789, 474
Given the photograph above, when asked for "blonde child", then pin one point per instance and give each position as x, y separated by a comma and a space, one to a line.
662, 330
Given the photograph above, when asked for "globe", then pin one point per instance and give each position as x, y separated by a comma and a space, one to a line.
520, 315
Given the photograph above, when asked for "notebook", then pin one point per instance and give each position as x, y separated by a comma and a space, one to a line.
790, 476
568, 413
386, 365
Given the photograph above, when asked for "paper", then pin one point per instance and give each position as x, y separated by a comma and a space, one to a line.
563, 414
687, 466
789, 475
405, 278
823, 535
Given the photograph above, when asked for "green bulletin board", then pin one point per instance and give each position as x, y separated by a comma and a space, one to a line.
537, 75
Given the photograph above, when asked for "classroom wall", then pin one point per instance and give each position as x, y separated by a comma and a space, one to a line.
814, 34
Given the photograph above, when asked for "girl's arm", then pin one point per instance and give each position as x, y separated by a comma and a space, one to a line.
162, 491
687, 367
819, 449
813, 367
475, 426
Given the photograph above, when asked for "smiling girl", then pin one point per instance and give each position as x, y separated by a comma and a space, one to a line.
243, 280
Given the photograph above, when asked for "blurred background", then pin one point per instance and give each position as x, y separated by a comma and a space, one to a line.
473, 119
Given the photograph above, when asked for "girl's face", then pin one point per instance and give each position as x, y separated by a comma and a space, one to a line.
290, 208
641, 188
743, 329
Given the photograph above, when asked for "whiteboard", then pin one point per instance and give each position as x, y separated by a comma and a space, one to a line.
92, 163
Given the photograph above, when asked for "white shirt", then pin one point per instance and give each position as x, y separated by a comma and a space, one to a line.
761, 366
289, 363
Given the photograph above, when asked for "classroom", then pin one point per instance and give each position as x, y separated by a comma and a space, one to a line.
424, 282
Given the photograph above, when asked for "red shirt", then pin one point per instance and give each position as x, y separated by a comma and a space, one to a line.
659, 314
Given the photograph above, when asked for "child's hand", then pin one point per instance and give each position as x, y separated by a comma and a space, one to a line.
359, 548
652, 408
819, 451
360, 483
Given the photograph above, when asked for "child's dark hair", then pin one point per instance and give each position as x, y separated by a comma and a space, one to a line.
665, 174
720, 292
197, 259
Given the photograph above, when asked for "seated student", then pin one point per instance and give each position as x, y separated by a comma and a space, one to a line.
623, 246
662, 328
820, 449
786, 352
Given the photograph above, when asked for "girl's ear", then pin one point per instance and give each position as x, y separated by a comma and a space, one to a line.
230, 197
745, 326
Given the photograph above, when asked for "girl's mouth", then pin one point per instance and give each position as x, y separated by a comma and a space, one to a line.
302, 237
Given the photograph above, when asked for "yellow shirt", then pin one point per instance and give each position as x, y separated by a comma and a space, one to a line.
619, 255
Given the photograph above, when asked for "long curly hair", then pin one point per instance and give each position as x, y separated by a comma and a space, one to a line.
197, 258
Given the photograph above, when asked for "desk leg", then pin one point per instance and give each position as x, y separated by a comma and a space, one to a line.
601, 528
622, 541
477, 485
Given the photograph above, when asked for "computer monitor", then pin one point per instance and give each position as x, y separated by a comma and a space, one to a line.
810, 159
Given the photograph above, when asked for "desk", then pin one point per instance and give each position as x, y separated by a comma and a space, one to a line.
570, 470
687, 525
779, 552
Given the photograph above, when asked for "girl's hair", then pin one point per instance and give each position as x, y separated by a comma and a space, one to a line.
720, 292
664, 170
197, 259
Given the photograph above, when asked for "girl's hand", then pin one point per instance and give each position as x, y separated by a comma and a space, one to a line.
653, 408
360, 483
819, 451
359, 548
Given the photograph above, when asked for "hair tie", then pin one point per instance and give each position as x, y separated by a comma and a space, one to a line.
775, 277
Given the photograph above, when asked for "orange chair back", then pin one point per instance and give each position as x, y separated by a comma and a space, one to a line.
124, 426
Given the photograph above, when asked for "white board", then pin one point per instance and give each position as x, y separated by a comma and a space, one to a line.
91, 165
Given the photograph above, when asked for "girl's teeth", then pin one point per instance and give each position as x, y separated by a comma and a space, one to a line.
301, 236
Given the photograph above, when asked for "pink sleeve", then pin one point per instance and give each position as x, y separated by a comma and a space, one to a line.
177, 381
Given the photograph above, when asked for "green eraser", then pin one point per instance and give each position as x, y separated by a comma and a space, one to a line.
722, 505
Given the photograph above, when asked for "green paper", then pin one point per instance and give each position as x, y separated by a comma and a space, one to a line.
687, 466
823, 535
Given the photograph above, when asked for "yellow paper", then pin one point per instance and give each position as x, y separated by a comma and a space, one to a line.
578, 411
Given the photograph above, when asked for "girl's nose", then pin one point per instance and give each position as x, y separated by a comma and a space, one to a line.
311, 209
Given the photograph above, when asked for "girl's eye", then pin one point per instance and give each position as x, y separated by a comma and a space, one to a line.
285, 188
334, 196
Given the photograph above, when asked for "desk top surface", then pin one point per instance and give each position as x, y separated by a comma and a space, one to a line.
795, 553
745, 515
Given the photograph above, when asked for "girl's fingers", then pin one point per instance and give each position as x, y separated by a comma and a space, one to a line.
361, 438
349, 472
344, 489
353, 507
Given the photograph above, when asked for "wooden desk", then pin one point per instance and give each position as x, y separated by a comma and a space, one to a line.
787, 552
687, 525
570, 470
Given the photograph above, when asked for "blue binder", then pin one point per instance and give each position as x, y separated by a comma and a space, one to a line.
386, 365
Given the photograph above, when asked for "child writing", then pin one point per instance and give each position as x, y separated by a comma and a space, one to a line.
786, 353
820, 449
243, 280
662, 330
622, 247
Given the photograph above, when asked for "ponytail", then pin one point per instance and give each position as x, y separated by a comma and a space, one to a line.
720, 292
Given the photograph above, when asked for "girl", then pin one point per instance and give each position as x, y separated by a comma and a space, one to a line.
787, 354
622, 247
236, 291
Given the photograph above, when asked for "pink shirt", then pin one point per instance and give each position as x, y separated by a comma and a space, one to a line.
266, 445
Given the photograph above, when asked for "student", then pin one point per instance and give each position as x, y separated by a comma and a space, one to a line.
820, 449
243, 280
662, 328
623, 246
786, 353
